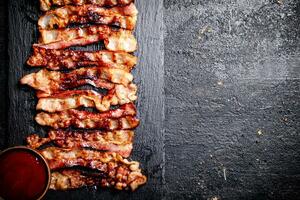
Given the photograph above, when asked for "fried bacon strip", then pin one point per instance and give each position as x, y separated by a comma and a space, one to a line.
73, 179
69, 59
87, 98
50, 82
117, 171
115, 141
122, 118
124, 17
47, 4
114, 40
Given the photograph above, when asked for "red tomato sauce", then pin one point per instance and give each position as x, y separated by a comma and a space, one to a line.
23, 175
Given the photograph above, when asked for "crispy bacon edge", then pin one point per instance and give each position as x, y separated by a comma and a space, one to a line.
123, 17
116, 141
114, 40
118, 172
55, 59
122, 118
46, 5
87, 98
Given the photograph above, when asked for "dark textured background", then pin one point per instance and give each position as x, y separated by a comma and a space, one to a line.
232, 89
232, 72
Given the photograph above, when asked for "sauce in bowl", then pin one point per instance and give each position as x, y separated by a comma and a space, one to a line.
24, 174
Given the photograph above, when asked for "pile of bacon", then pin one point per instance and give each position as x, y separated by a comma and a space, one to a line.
89, 147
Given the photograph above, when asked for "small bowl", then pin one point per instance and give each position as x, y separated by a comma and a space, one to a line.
37, 155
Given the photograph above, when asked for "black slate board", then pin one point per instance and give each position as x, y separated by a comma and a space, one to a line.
148, 147
3, 73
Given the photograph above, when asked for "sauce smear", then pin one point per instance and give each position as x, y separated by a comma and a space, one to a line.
22, 175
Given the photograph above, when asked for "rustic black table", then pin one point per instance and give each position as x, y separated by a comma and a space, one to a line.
231, 113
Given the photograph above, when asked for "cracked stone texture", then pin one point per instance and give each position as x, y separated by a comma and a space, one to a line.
232, 99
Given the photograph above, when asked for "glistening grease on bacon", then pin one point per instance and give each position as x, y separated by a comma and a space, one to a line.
122, 118
124, 17
88, 98
47, 4
119, 172
55, 59
51, 82
115, 141
114, 40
